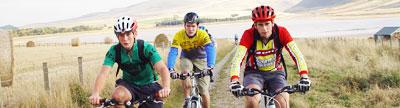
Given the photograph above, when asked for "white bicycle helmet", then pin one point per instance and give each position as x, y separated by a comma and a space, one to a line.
125, 24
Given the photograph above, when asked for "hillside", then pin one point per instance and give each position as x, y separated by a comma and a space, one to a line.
349, 8
310, 5
152, 11
378, 8
8, 27
158, 9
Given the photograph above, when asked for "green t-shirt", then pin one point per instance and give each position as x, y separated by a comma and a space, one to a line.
145, 72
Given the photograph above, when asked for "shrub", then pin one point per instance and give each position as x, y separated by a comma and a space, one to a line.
79, 95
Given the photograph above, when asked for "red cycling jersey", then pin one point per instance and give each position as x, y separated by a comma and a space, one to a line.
266, 54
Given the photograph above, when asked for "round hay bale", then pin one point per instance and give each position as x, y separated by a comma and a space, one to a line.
396, 35
6, 59
30, 44
161, 40
108, 40
370, 38
75, 42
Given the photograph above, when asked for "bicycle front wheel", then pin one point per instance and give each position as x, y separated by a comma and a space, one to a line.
195, 105
266, 103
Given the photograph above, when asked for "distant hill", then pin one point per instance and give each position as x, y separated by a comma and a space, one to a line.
158, 9
8, 27
310, 5
151, 11
348, 8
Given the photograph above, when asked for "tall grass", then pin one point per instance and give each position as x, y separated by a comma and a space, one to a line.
345, 73
349, 73
66, 91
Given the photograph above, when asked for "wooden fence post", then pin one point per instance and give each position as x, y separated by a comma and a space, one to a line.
1, 97
46, 77
80, 70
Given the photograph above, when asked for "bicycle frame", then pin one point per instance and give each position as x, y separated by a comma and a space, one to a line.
195, 99
269, 101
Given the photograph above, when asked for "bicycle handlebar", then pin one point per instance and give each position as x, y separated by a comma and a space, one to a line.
198, 74
252, 91
105, 103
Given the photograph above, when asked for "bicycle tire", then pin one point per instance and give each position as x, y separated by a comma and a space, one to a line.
265, 105
195, 104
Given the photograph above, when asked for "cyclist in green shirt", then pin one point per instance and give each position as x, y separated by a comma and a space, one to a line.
139, 61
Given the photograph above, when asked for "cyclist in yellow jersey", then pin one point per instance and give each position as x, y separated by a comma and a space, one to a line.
198, 53
263, 44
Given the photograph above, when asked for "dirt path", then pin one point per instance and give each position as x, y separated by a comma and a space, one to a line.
220, 95
220, 67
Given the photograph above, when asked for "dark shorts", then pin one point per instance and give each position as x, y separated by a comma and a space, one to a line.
271, 81
139, 93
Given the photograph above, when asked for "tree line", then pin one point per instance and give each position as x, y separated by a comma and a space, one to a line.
51, 30
170, 22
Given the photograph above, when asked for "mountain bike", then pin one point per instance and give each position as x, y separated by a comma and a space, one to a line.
269, 97
195, 99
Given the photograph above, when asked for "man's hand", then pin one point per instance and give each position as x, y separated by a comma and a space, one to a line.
173, 74
210, 71
304, 84
94, 99
236, 88
163, 93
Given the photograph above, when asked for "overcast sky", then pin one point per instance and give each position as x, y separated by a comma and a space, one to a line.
23, 12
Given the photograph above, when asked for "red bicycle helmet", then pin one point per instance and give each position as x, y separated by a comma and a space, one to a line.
263, 13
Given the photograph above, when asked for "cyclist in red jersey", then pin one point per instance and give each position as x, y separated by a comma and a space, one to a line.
263, 44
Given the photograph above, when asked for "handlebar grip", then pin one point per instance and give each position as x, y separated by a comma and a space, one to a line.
157, 97
293, 88
103, 100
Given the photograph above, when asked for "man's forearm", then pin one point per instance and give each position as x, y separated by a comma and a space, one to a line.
100, 80
165, 78
164, 73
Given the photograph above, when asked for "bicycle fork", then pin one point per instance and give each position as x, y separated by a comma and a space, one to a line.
269, 102
195, 98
